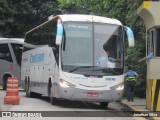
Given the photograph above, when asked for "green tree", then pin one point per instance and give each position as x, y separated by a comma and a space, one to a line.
109, 8
18, 16
7, 12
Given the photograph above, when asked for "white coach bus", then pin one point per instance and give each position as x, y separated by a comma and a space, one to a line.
10, 58
78, 57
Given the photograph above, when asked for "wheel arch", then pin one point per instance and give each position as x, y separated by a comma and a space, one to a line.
4, 81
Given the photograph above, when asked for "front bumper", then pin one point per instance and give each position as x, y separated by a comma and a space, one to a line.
77, 94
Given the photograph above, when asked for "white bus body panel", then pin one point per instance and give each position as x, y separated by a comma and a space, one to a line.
38, 64
86, 85
11, 40
89, 18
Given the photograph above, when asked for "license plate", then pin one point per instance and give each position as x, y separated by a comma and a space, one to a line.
91, 94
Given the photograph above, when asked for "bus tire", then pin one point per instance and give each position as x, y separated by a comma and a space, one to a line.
25, 84
53, 100
104, 105
28, 90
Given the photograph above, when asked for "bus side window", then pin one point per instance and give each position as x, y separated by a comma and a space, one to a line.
5, 53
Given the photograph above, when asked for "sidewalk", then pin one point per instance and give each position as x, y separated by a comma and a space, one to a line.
139, 106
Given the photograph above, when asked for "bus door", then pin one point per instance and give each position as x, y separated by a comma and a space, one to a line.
6, 63
17, 55
54, 61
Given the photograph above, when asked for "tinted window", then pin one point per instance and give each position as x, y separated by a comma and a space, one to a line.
158, 43
5, 53
43, 35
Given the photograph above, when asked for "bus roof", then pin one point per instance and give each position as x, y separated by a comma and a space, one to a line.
89, 18
80, 17
12, 40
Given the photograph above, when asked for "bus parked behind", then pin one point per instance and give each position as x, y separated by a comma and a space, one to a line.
10, 58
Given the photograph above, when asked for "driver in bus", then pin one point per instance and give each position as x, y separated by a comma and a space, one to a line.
110, 58
111, 61
107, 61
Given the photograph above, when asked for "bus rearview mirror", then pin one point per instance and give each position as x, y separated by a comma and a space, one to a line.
59, 34
130, 36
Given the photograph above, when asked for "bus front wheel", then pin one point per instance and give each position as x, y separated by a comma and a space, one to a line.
104, 105
28, 90
53, 100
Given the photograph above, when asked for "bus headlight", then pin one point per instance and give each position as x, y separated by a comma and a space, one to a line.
118, 87
64, 83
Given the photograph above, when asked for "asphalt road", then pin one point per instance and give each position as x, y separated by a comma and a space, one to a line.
68, 110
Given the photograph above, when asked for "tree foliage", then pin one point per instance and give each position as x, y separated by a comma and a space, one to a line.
18, 16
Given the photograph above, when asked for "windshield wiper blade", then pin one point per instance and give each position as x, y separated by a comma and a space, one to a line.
112, 70
80, 67
107, 70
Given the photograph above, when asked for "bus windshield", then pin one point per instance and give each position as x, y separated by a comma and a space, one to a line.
92, 48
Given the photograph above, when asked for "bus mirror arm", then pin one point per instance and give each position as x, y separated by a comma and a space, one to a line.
130, 36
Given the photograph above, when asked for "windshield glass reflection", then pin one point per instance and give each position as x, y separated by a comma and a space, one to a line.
92, 48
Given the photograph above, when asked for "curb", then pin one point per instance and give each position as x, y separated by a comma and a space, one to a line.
131, 107
138, 110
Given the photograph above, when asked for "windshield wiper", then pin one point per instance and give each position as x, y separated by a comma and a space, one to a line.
111, 70
80, 67
107, 70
